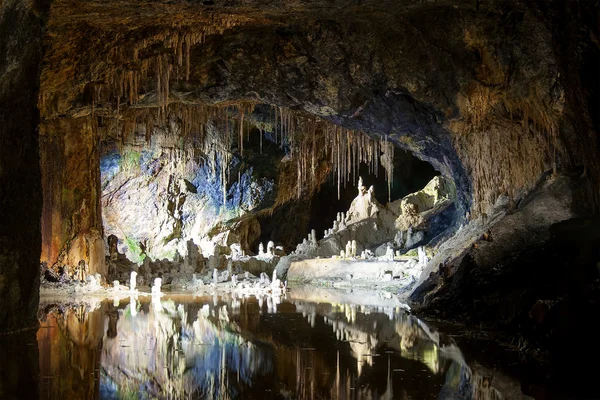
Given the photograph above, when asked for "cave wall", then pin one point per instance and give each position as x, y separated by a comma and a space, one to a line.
21, 29
488, 92
71, 222
166, 192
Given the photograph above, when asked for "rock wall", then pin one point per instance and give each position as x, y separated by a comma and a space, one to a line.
21, 29
71, 218
156, 198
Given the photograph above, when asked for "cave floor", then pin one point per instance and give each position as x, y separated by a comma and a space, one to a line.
312, 342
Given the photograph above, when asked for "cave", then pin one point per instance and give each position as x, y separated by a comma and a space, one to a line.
338, 198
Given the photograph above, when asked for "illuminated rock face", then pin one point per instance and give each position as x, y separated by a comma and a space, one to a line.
364, 206
156, 201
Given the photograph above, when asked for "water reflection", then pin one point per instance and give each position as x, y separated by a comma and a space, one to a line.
220, 348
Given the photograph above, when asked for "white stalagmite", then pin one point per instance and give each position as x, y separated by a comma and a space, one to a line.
261, 250
353, 247
271, 248
423, 260
156, 286
132, 281
215, 276
389, 254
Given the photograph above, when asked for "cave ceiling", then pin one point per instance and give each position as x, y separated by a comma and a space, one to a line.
446, 80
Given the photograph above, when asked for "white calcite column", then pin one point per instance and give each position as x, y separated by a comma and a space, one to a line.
261, 250
156, 286
132, 281
389, 254
423, 260
271, 248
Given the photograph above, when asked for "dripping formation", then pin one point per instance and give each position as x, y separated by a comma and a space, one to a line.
212, 130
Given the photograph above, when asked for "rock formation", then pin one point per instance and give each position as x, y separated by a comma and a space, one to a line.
500, 97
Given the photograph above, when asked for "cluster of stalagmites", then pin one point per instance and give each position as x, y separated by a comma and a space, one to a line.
369, 231
228, 269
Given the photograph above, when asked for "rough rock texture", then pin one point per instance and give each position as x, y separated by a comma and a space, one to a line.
483, 91
493, 94
158, 199
533, 275
21, 29
351, 273
71, 216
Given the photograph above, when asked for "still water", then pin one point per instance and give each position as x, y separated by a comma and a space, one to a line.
181, 346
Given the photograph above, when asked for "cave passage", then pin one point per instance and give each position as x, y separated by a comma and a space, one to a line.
410, 175
158, 194
435, 156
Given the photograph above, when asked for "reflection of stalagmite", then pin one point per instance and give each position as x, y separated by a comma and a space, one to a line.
133, 306
389, 391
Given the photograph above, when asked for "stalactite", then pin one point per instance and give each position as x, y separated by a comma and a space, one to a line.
387, 161
305, 138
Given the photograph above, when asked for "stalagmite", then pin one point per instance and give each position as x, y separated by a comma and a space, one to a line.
423, 260
271, 248
156, 286
132, 281
389, 254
